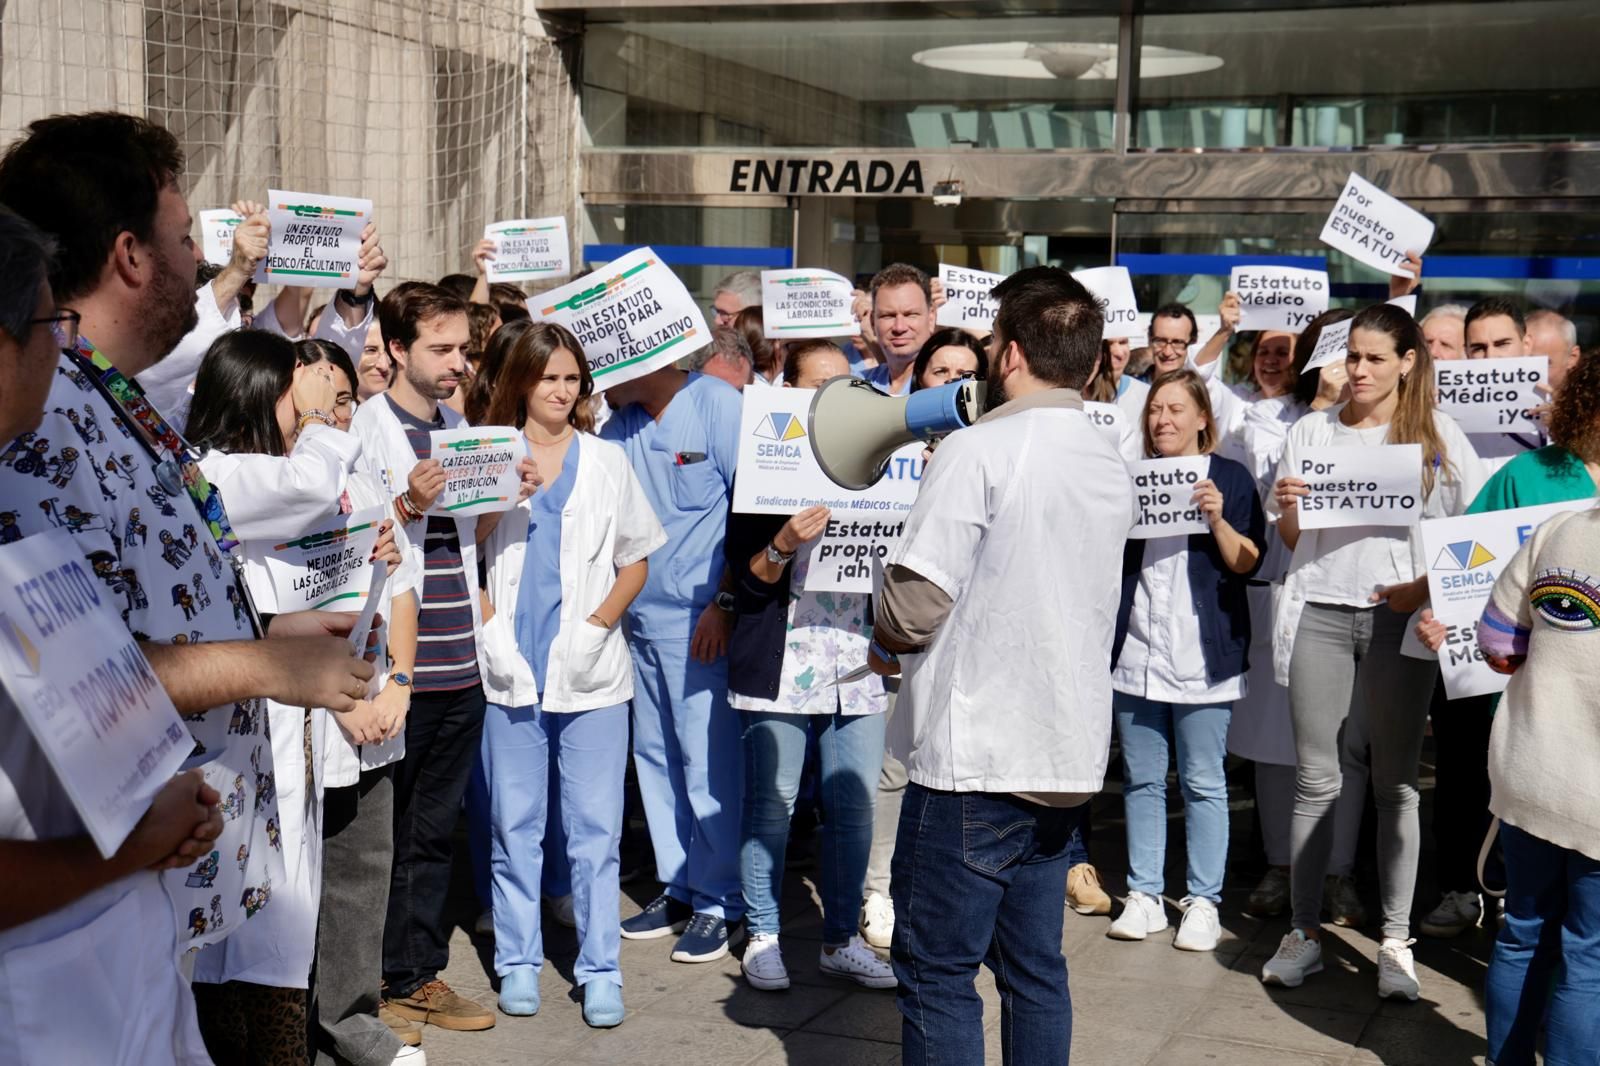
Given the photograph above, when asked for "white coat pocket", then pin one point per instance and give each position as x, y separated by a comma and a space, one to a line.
506, 669
591, 658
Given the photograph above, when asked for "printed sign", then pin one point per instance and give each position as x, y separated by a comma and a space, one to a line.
362, 629
1369, 225
806, 303
1162, 489
1333, 345
1124, 436
85, 690
844, 557
1492, 395
1360, 486
1274, 297
1112, 289
316, 240
632, 316
480, 469
1406, 303
1465, 555
967, 304
326, 570
527, 248
216, 234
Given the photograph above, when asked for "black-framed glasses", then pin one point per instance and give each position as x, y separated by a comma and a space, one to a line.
63, 326
1168, 344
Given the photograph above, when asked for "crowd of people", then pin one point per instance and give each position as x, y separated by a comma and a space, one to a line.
620, 642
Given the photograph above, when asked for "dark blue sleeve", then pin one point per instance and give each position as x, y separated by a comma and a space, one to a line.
1241, 505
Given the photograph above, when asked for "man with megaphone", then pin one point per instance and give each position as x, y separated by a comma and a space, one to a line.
999, 604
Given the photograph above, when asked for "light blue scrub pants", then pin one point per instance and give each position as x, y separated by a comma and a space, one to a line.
688, 753
587, 751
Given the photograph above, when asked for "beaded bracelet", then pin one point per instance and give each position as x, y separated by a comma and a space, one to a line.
315, 415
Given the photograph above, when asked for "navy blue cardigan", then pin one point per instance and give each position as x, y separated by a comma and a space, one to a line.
761, 611
1221, 608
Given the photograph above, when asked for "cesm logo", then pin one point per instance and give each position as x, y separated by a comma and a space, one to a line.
782, 430
1460, 566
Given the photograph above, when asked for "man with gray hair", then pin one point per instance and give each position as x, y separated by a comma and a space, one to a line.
727, 357
1445, 330
1551, 333
734, 293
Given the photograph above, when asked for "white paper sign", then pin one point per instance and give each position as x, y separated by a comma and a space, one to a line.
806, 303
1360, 486
1112, 289
376, 579
967, 303
1465, 555
316, 240
527, 248
632, 316
326, 569
1406, 303
844, 557
216, 234
1492, 395
1333, 345
1369, 225
480, 469
1124, 436
1162, 489
1275, 297
85, 690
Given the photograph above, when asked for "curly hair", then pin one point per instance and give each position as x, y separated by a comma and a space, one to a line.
1575, 422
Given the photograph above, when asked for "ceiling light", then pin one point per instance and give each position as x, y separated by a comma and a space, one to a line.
1061, 60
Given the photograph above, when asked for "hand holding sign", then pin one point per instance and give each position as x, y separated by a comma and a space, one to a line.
316, 240
1406, 284
1278, 298
1167, 496
1112, 289
806, 303
1369, 225
968, 304
1493, 395
1356, 486
482, 469
802, 528
525, 248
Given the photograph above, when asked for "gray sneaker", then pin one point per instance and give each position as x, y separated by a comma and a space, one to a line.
1344, 902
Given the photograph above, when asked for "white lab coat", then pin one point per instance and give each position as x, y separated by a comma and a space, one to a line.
169, 385
330, 327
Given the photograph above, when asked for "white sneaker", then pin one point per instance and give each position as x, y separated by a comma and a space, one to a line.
859, 963
1141, 916
561, 910
763, 964
410, 1056
877, 920
1201, 928
1397, 971
1456, 911
484, 926
1298, 957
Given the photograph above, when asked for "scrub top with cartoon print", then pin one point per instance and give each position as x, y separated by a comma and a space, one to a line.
84, 470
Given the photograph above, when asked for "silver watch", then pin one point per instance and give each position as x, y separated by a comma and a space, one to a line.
776, 557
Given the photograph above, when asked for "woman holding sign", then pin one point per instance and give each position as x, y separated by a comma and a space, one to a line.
563, 565
1178, 663
1337, 638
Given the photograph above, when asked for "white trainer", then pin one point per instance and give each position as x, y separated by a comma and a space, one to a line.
410, 1056
1298, 957
1141, 915
763, 964
859, 963
1397, 971
1201, 928
1456, 912
877, 920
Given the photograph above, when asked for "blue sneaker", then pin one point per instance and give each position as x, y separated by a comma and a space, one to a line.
705, 940
661, 917
519, 992
602, 1004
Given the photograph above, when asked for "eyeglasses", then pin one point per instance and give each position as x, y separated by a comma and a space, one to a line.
63, 326
1168, 344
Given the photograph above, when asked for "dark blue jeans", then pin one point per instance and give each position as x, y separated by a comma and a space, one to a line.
980, 879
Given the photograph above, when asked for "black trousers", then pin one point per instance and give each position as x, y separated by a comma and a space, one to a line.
1461, 792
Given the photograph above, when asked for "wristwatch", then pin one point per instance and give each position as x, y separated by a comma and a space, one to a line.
723, 601
349, 297
403, 680
775, 556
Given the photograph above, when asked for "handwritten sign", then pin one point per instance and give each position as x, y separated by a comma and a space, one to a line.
967, 303
1274, 297
480, 469
806, 303
1373, 227
216, 234
527, 248
1333, 345
632, 316
326, 569
1162, 489
1492, 395
1359, 486
1112, 289
316, 240
844, 558
83, 687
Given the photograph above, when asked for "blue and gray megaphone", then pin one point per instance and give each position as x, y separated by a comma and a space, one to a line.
855, 428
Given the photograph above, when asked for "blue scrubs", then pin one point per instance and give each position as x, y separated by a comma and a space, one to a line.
530, 756
686, 740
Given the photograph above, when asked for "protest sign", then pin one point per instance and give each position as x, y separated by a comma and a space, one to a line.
527, 248
376, 579
1360, 486
843, 559
806, 303
1275, 297
83, 687
1333, 346
632, 316
1162, 489
216, 234
1369, 225
967, 304
1465, 555
1112, 289
326, 569
316, 240
480, 469
1406, 303
1492, 395
1124, 435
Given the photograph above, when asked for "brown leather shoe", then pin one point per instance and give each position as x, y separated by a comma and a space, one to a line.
1084, 893
409, 1032
435, 1003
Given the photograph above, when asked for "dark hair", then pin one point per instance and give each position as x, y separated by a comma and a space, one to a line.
236, 392
900, 274
84, 179
750, 324
25, 256
314, 351
502, 293
480, 387
482, 319
795, 352
1575, 422
459, 285
1102, 384
949, 337
1307, 381
204, 272
514, 313
1413, 421
1199, 395
523, 364
1048, 314
1177, 310
410, 304
1492, 306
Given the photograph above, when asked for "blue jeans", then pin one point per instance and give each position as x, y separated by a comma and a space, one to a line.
851, 750
980, 879
1146, 729
587, 753
1552, 934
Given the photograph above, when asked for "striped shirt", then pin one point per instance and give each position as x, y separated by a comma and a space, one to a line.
447, 655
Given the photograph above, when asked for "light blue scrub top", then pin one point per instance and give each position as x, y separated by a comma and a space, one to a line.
539, 592
879, 376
